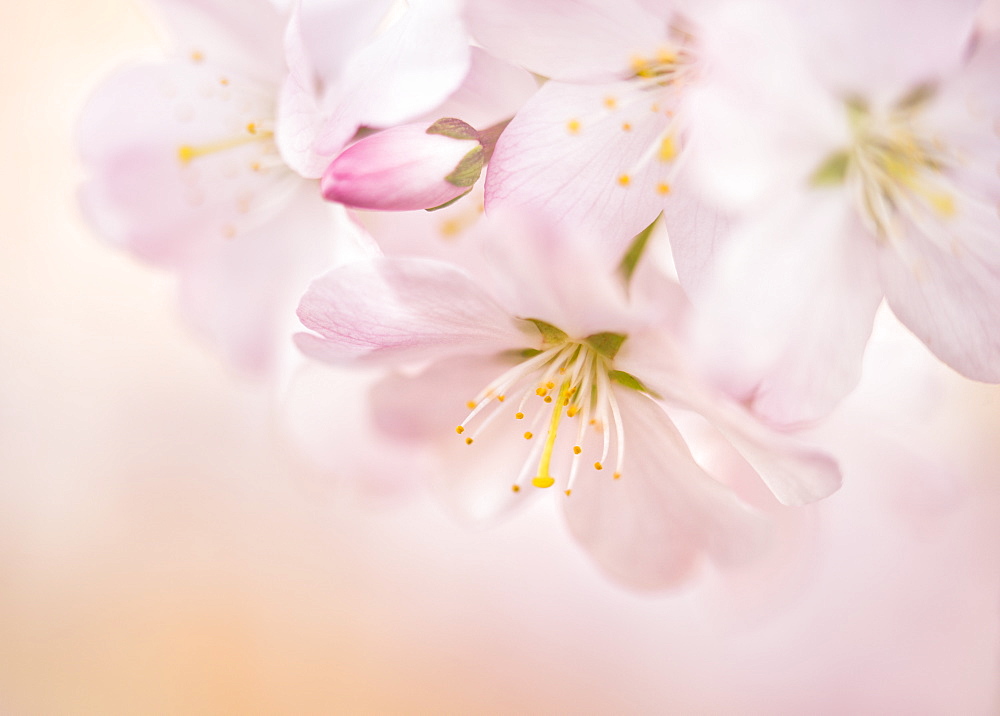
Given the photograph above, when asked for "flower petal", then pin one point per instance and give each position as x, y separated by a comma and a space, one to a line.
402, 309
650, 528
788, 309
144, 192
587, 40
567, 152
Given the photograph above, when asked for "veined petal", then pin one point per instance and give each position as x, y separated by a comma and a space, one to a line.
401, 310
949, 296
650, 528
585, 154
582, 40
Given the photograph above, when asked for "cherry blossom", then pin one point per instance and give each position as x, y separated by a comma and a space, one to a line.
565, 381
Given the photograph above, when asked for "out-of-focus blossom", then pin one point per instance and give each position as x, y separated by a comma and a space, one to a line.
182, 170
570, 380
373, 63
601, 143
858, 146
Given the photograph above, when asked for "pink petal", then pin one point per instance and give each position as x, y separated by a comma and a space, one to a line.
650, 528
587, 40
142, 194
400, 310
241, 294
789, 307
566, 152
949, 295
238, 37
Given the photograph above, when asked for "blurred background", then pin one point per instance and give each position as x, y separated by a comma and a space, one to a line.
163, 551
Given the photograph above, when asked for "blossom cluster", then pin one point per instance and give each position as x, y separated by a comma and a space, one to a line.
559, 240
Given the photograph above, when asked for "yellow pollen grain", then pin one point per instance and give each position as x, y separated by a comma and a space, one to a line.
515, 488
662, 189
624, 180
471, 404
667, 149
577, 449
519, 416
598, 466
459, 430
626, 127
610, 102
528, 436
468, 441
573, 126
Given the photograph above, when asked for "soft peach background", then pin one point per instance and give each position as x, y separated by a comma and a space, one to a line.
162, 553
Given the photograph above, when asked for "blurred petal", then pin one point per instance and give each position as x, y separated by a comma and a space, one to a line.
649, 528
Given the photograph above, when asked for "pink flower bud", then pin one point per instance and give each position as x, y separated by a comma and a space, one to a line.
406, 167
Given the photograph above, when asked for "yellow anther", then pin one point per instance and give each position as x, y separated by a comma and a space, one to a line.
568, 493
550, 385
540, 391
459, 430
665, 57
598, 466
252, 128
197, 56
186, 153
229, 231
577, 449
255, 166
667, 149
626, 127
501, 398
519, 416
624, 180
547, 398
471, 404
571, 411
655, 107
942, 204
515, 488
617, 475
610, 102
224, 81
468, 441
573, 126
528, 436
450, 228
662, 188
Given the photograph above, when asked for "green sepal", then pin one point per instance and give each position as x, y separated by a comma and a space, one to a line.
519, 354
550, 334
454, 128
467, 171
833, 171
607, 344
629, 381
635, 251
448, 203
